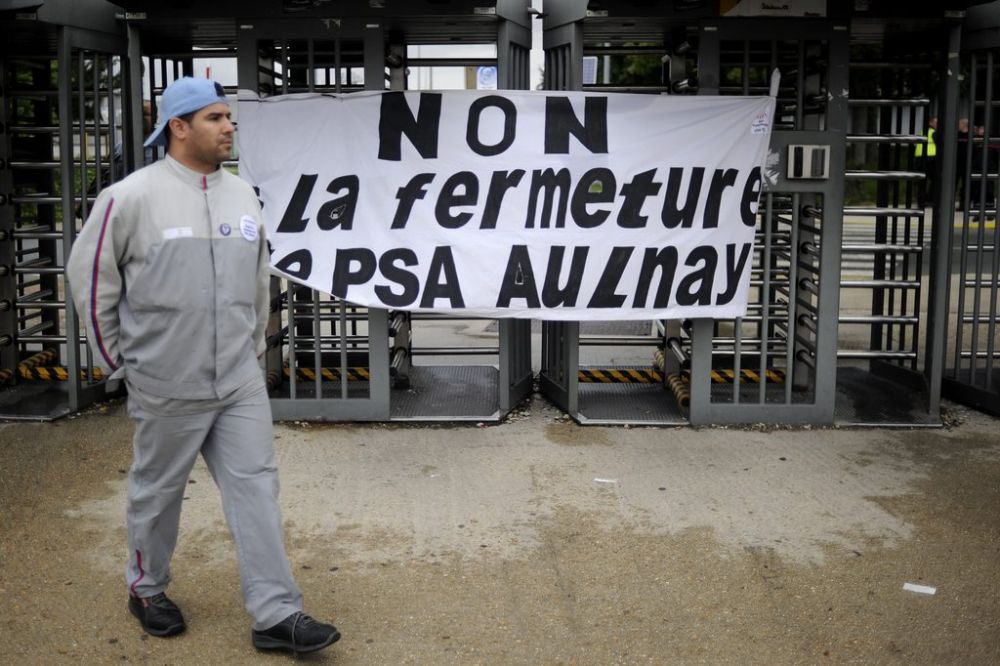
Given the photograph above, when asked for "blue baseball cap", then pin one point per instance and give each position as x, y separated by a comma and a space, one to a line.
183, 96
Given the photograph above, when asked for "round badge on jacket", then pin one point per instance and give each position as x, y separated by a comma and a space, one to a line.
225, 229
248, 227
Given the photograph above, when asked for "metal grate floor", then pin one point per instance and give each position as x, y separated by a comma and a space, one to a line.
637, 404
34, 401
865, 399
448, 393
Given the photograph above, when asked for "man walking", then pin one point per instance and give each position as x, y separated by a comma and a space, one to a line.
170, 275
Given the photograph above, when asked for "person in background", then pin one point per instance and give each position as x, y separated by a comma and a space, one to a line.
925, 161
170, 275
961, 160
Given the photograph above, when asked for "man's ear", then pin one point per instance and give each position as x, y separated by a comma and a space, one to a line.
178, 128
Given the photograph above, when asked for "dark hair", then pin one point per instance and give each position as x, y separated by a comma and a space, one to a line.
187, 117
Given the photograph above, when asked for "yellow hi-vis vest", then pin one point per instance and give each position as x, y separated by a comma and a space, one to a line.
918, 151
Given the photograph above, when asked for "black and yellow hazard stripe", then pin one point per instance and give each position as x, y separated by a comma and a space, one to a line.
654, 376
619, 376
41, 358
56, 373
679, 386
329, 374
773, 376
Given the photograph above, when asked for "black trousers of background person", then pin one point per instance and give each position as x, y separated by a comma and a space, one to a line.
927, 166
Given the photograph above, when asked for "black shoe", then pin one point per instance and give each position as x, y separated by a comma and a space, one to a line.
298, 632
157, 614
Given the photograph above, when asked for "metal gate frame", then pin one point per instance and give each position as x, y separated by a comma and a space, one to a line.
563, 45
513, 68
515, 377
818, 364
375, 406
560, 340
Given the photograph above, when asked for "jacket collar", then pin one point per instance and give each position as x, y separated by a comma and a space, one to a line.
202, 181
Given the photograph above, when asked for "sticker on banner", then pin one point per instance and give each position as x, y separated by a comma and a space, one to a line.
760, 123
248, 227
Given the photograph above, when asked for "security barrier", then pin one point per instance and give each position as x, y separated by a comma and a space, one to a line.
846, 296
866, 289
972, 363
62, 116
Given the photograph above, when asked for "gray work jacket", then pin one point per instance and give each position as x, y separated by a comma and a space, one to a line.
170, 277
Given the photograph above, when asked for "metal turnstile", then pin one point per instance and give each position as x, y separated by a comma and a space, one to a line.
845, 320
888, 303
972, 360
604, 372
787, 340
326, 359
63, 114
330, 360
777, 363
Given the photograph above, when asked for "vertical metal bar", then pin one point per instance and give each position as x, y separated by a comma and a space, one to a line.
283, 46
336, 66
800, 89
746, 67
310, 65
837, 117
991, 322
765, 314
970, 114
96, 71
96, 75
708, 73
978, 279
132, 103
113, 154
82, 136
737, 357
890, 305
9, 356
343, 349
293, 361
702, 329
907, 260
917, 262
991, 329
373, 52
163, 76
966, 222
942, 227
793, 280
701, 371
317, 353
738, 321
64, 59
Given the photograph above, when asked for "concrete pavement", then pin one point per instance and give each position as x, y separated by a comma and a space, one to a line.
535, 541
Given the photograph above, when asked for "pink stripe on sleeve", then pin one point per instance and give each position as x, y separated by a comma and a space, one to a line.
93, 290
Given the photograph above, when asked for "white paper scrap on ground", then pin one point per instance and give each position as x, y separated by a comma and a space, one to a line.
600, 480
922, 589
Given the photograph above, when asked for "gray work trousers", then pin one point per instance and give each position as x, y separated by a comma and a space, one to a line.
236, 441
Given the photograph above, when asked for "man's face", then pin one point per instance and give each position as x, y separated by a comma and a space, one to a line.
208, 138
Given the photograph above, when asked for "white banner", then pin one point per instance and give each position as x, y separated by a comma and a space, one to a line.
546, 205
